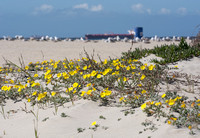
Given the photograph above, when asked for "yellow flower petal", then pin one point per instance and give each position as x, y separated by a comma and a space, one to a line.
143, 106
53, 93
94, 123
163, 96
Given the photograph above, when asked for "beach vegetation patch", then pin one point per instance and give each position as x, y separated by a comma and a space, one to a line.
125, 81
170, 53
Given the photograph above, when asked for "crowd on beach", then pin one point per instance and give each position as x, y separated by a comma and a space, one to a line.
108, 40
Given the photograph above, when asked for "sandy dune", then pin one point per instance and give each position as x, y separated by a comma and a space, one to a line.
19, 124
33, 51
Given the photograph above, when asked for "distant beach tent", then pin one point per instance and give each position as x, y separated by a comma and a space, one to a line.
139, 32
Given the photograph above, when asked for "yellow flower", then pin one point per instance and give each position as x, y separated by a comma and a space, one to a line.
176, 66
99, 76
189, 127
93, 73
55, 66
151, 67
69, 89
20, 89
107, 92
128, 68
29, 100
157, 104
143, 106
26, 68
117, 67
48, 81
59, 75
4, 88
45, 93
34, 93
198, 100
85, 76
33, 84
72, 73
142, 67
74, 91
41, 95
51, 60
81, 73
143, 76
53, 93
183, 105
137, 96
48, 76
124, 79
65, 75
163, 96
140, 85
117, 72
94, 123
36, 75
121, 99
171, 102
173, 118
105, 62
143, 91
11, 81
169, 122
89, 92
88, 85
106, 71
133, 67
82, 93
75, 85
48, 71
103, 94
88, 75
192, 105
85, 67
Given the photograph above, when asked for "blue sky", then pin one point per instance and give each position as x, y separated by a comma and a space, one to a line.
75, 18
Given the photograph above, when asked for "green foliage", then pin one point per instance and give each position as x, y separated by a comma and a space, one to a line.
136, 54
169, 53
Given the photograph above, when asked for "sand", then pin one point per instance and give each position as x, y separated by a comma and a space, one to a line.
19, 124
33, 51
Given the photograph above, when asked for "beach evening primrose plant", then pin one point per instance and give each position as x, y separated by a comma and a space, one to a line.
125, 80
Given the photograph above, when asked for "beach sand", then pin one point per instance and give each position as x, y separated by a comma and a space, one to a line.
19, 124
33, 51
